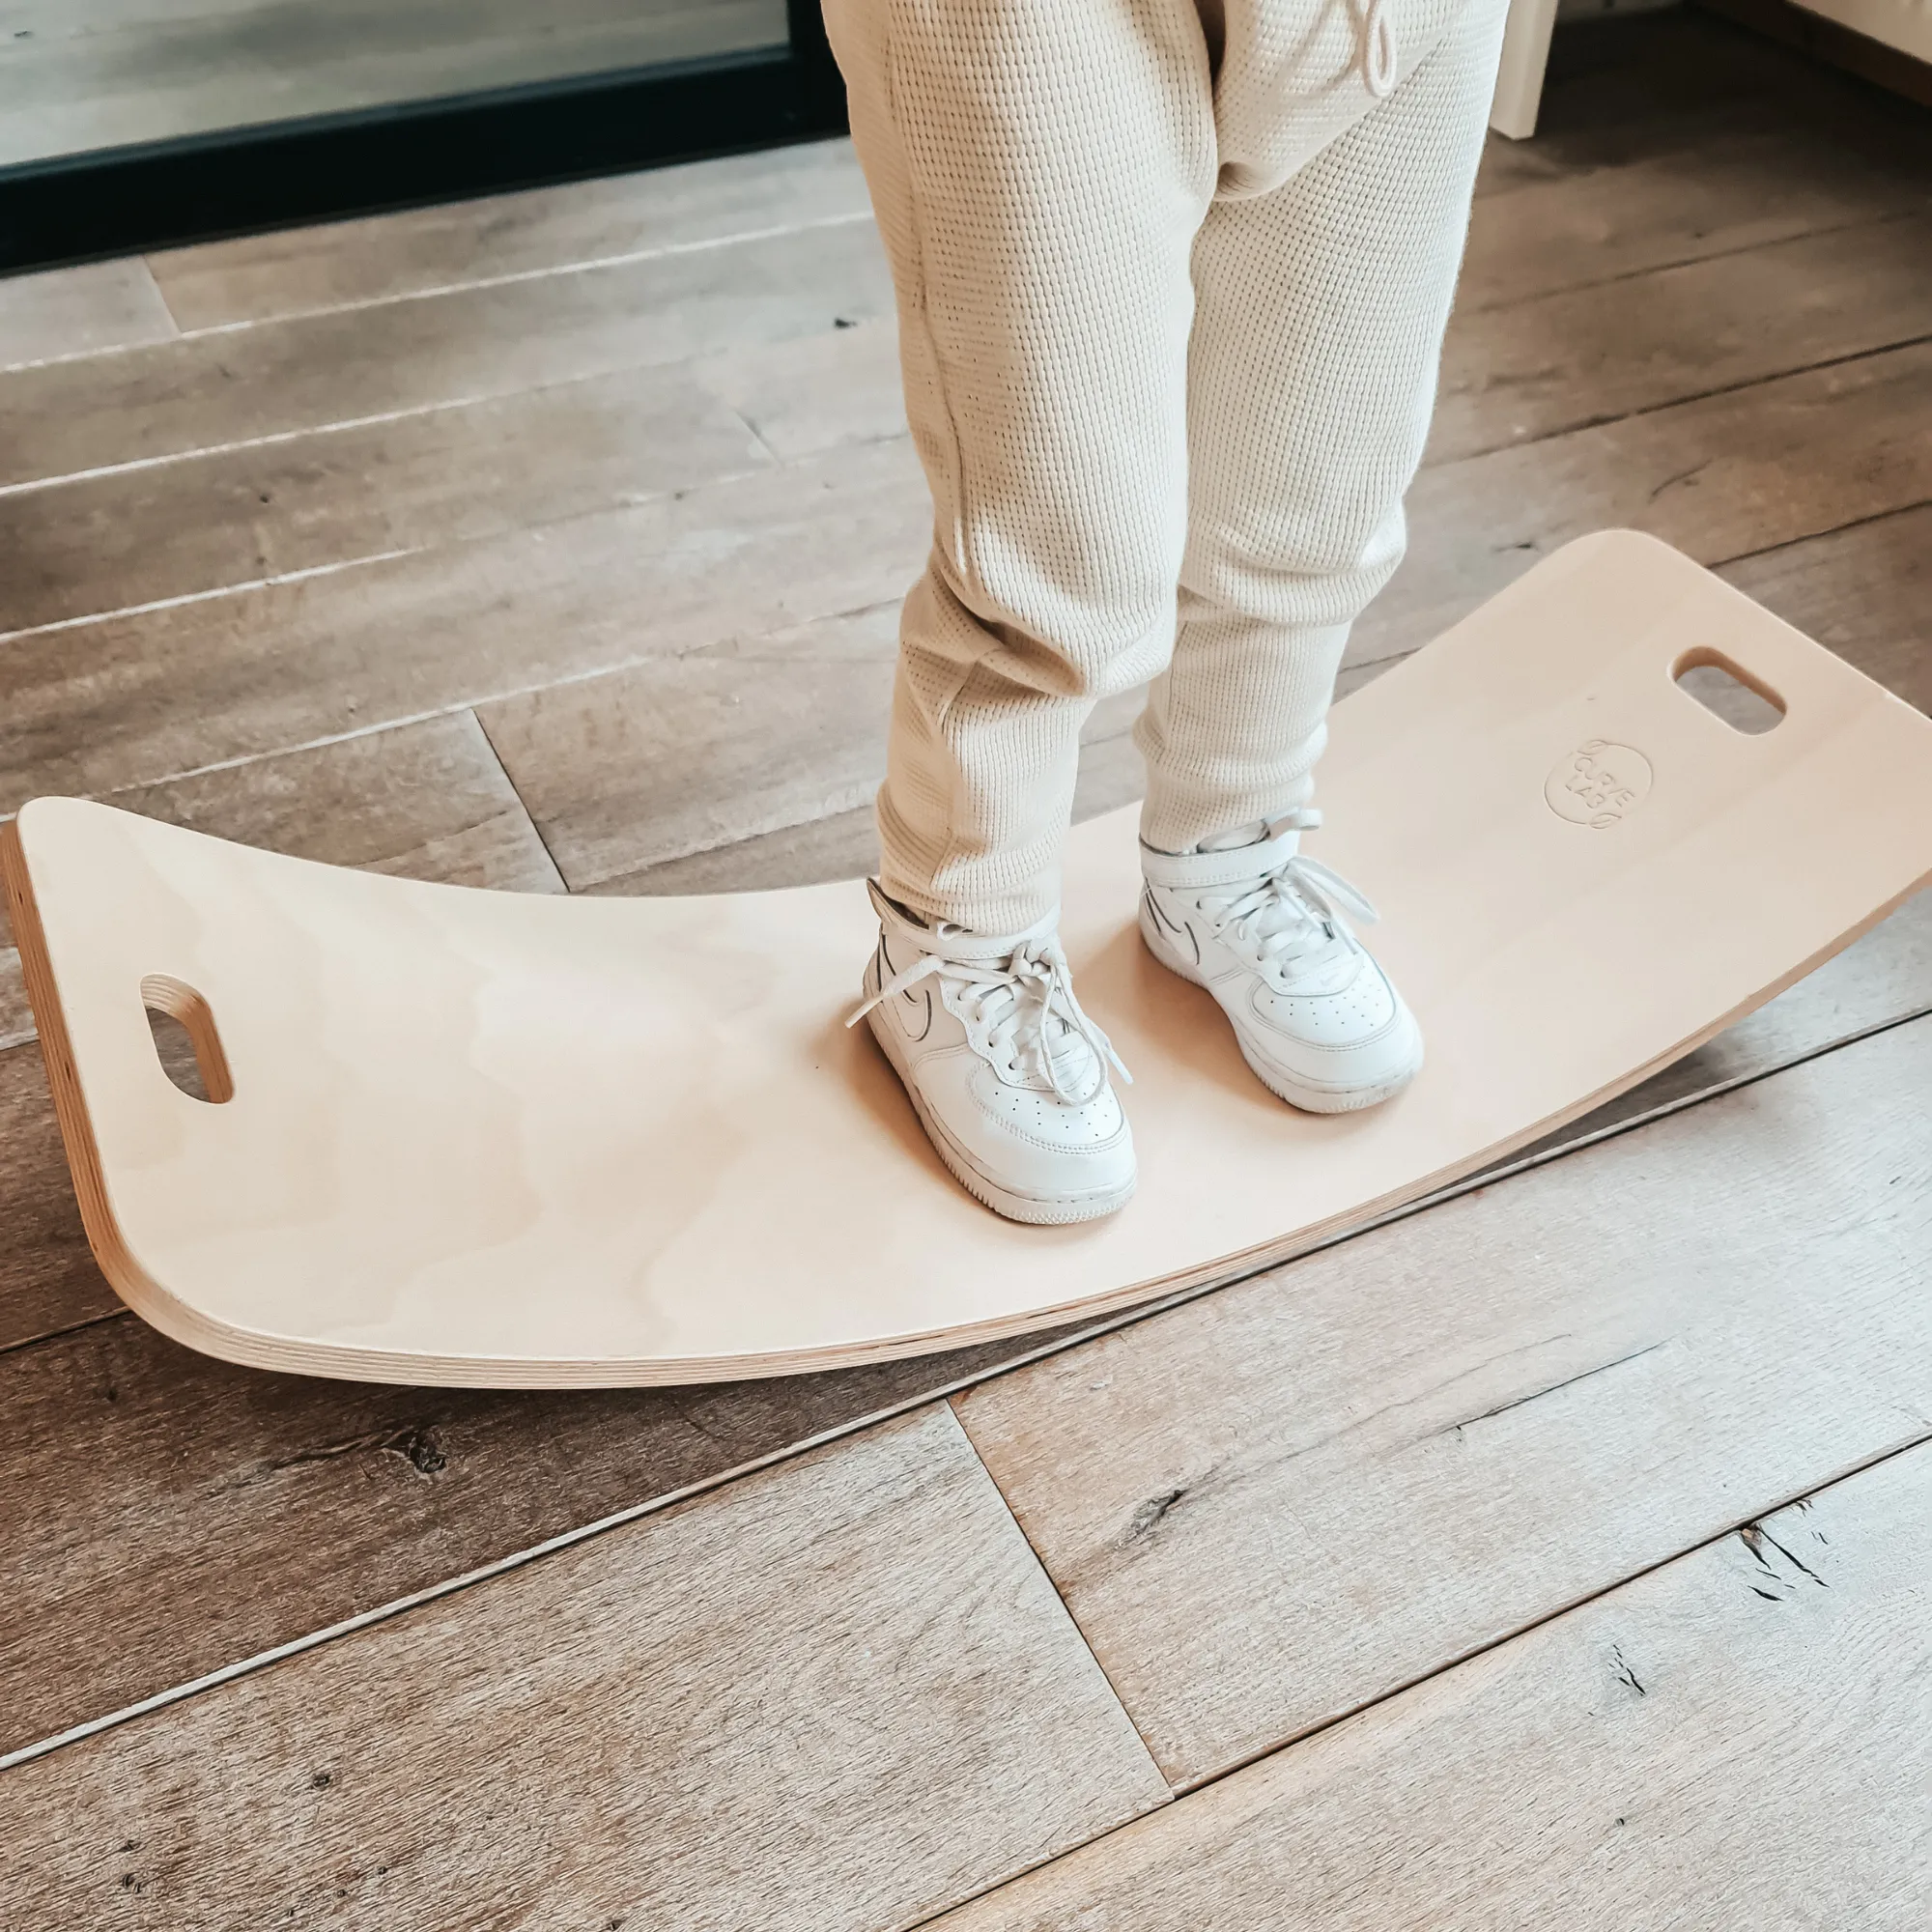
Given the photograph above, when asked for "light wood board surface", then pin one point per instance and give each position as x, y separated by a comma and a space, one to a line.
506, 1141
1284, 1501
1741, 1737
838, 1698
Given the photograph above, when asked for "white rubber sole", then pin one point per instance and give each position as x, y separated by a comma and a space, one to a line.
1311, 1096
1034, 1211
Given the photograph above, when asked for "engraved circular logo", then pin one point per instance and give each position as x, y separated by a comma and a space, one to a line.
1598, 785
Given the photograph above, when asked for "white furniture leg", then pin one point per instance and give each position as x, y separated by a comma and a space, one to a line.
1519, 77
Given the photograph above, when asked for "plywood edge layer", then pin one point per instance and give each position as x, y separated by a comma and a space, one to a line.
77, 1130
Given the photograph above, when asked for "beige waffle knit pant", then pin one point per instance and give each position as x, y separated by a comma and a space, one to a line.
1172, 283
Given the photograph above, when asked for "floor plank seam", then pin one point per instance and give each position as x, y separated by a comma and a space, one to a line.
306, 574
1066, 1608
1636, 274
1836, 529
1743, 1524
415, 412
524, 804
664, 251
456, 706
942, 1393
1641, 410
147, 262
713, 648
509, 279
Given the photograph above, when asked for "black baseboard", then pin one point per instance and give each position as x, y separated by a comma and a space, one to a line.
118, 201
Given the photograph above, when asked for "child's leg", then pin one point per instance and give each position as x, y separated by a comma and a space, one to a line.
1040, 169
1320, 306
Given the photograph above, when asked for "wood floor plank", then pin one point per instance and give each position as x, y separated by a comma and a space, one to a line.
380, 258
1864, 591
1736, 191
105, 542
291, 1504
1743, 1735
126, 538
16, 1021
282, 1504
423, 801
1588, 356
1619, 88
691, 754
844, 845
130, 699
97, 306
1719, 478
194, 683
279, 378
815, 392
1272, 1506
48, 1280
838, 1694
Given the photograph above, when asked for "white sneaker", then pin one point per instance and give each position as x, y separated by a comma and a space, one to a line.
1009, 1076
1262, 929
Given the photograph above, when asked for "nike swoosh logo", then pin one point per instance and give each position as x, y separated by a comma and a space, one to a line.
1161, 919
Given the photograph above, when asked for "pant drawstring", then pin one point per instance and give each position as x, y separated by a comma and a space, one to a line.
1377, 50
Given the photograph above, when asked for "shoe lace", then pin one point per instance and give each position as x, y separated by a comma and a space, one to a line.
1019, 1000
1293, 917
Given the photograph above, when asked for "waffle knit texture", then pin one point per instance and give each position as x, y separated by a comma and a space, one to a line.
1171, 285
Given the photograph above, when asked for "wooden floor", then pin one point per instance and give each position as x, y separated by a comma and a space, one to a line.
1556, 1555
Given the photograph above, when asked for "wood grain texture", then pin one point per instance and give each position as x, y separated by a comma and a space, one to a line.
1745, 1735
385, 257
48, 1280
129, 537
1719, 478
128, 699
1865, 591
501, 1142
17, 1018
692, 754
78, 311
1733, 191
815, 392
307, 372
1586, 356
1282, 1502
837, 1696
1628, 88
422, 801
750, 743
278, 1505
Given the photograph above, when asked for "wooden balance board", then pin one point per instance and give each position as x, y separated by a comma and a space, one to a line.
478, 1138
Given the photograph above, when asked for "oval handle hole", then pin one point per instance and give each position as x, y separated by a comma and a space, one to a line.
1728, 692
185, 1040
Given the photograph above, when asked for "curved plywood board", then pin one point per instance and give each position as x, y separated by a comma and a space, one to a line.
477, 1138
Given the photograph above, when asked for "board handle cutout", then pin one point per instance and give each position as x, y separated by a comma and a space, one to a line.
169, 999
1728, 692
